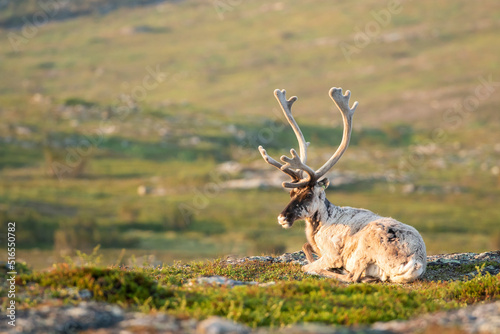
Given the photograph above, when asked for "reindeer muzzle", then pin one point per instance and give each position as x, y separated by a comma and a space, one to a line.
285, 223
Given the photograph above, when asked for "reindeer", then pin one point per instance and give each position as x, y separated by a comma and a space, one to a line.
352, 245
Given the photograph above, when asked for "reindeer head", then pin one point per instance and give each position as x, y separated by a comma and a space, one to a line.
307, 185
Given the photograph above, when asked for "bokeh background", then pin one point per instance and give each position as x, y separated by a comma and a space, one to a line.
134, 125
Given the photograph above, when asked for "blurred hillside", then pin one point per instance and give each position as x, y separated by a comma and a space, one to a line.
15, 13
119, 118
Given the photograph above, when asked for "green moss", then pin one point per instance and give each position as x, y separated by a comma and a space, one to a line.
110, 285
248, 271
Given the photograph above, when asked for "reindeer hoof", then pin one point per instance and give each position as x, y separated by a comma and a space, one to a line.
313, 273
306, 269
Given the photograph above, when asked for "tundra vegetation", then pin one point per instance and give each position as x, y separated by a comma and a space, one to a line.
295, 297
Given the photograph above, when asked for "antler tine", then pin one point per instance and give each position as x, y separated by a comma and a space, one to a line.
286, 106
342, 102
294, 175
296, 163
291, 185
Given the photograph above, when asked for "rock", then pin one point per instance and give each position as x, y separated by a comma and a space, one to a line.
312, 328
261, 258
221, 280
483, 318
295, 258
444, 261
218, 325
142, 190
68, 319
492, 270
160, 322
76, 294
85, 294
408, 188
23, 131
217, 280
230, 167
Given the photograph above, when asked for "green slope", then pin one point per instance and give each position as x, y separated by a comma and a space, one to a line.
202, 76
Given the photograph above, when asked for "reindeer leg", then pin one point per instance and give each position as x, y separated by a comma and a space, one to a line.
308, 250
339, 277
355, 276
358, 270
360, 267
369, 279
319, 266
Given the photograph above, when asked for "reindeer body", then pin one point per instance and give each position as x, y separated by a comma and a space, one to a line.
363, 245
352, 244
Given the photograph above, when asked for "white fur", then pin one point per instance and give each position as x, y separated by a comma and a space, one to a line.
360, 242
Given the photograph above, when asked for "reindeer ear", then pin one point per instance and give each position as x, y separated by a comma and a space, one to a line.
324, 183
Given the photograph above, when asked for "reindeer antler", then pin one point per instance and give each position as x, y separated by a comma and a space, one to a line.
286, 106
295, 165
342, 102
294, 175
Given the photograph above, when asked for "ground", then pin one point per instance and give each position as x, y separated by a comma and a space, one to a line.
258, 294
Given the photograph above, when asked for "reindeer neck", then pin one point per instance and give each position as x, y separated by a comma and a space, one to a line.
320, 218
